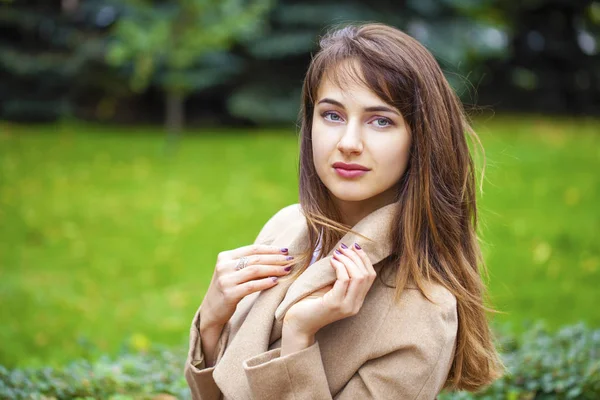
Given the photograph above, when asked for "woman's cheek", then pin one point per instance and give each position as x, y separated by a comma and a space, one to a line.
391, 158
320, 156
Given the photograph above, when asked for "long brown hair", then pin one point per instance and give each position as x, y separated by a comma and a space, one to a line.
434, 235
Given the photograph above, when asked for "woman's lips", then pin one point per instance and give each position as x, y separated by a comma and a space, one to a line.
350, 173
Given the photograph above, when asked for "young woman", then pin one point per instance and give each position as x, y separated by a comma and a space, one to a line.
389, 309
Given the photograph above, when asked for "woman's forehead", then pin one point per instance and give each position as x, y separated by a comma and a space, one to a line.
346, 80
349, 93
343, 74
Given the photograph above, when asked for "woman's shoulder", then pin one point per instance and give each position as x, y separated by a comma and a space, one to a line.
284, 217
435, 295
430, 317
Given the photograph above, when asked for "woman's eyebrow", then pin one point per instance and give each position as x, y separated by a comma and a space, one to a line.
367, 109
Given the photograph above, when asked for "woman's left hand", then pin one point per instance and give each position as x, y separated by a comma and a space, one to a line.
355, 275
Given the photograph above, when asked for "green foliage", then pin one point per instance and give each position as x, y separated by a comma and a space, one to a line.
265, 104
541, 365
132, 375
43, 58
565, 365
175, 36
460, 33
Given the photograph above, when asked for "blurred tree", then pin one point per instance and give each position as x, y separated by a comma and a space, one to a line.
180, 45
57, 58
45, 49
460, 33
554, 61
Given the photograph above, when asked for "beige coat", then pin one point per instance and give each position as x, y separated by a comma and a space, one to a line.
386, 351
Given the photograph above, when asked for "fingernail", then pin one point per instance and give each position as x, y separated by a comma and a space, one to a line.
344, 246
337, 251
288, 268
357, 246
274, 279
284, 250
289, 258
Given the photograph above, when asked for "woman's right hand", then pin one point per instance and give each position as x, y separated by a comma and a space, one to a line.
228, 286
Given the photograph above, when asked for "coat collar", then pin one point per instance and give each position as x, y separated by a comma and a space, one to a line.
259, 329
376, 226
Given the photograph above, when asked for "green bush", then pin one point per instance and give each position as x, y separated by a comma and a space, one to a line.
541, 365
544, 365
128, 376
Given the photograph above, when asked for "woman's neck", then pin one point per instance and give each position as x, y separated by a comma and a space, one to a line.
353, 211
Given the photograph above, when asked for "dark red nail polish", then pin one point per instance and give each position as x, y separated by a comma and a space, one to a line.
357, 246
289, 258
344, 246
288, 268
284, 250
337, 251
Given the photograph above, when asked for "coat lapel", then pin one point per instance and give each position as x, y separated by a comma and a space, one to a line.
320, 274
260, 329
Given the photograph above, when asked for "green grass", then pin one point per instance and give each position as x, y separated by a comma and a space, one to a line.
541, 219
107, 241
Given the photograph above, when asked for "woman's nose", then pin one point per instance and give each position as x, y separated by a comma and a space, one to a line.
351, 140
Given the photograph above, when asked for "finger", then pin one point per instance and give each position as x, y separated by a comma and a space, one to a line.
259, 259
338, 293
356, 292
354, 271
348, 252
244, 289
364, 257
255, 249
359, 280
255, 272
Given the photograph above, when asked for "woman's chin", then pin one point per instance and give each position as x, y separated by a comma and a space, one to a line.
344, 194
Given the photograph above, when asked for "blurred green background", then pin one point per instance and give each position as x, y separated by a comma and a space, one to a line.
106, 240
111, 223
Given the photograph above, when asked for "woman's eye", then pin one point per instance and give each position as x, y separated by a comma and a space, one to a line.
330, 116
382, 122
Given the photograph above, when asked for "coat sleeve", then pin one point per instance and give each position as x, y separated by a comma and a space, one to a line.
414, 367
198, 376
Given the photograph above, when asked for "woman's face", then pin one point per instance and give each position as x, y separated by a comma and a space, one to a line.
354, 126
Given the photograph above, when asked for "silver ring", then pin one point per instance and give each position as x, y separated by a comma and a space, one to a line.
242, 263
